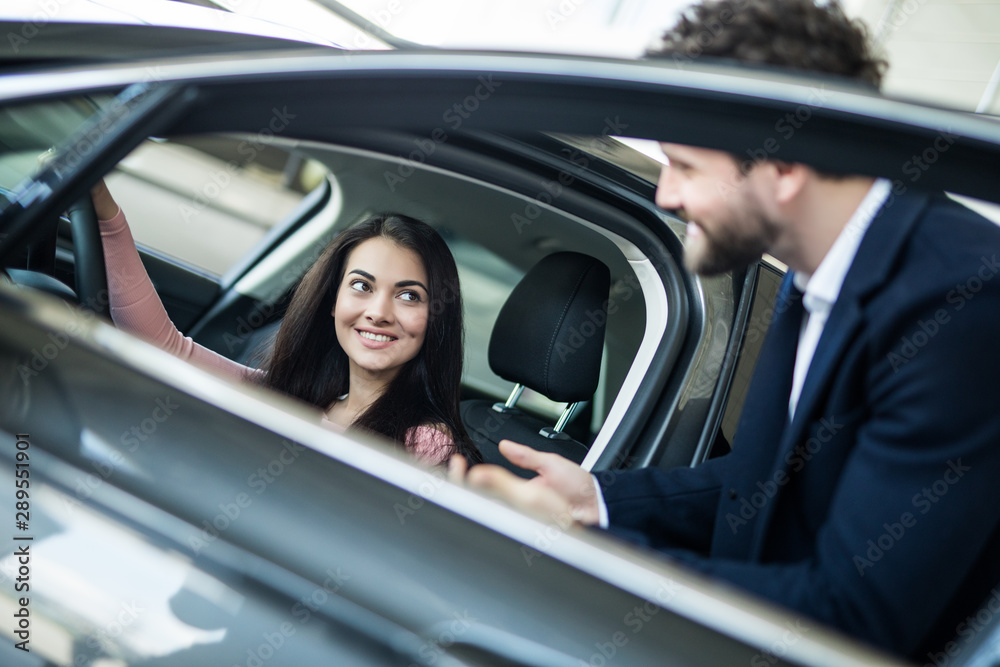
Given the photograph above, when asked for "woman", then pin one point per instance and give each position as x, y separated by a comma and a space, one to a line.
372, 336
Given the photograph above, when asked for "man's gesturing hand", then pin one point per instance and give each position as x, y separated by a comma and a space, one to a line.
562, 488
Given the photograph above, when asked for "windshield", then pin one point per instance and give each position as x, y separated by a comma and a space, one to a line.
28, 130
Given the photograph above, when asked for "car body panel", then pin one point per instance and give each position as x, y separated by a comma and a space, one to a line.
184, 442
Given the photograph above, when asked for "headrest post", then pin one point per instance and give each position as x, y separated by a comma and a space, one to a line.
565, 417
515, 396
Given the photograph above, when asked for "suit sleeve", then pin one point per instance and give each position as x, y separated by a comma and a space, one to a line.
662, 509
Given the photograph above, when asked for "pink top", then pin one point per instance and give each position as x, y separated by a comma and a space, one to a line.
136, 308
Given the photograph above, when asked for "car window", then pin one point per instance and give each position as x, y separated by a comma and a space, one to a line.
28, 130
125, 616
765, 292
207, 200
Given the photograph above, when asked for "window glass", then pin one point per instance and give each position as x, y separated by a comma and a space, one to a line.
207, 200
29, 130
768, 282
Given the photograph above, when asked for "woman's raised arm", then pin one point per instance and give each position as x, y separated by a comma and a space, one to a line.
135, 305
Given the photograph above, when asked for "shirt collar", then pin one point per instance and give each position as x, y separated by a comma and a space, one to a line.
821, 289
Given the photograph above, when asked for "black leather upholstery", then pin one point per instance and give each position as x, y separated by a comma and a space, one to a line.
43, 282
258, 345
549, 337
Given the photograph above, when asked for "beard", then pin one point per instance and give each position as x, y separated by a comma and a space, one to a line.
730, 244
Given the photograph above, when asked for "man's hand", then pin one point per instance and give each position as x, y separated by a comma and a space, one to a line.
562, 488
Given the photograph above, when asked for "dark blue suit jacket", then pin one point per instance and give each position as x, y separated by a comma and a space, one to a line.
876, 510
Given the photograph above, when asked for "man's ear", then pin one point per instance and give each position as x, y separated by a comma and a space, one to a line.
791, 178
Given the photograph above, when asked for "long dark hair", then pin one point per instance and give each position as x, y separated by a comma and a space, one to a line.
307, 361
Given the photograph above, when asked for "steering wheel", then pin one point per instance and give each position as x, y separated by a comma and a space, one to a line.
91, 280
90, 275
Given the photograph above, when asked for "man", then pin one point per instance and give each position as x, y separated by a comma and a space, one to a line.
862, 486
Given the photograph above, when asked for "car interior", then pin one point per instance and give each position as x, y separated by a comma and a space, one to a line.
227, 223
549, 337
492, 254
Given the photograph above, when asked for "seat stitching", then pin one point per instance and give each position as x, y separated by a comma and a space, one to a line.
555, 333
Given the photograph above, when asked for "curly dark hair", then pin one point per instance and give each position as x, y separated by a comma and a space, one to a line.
799, 34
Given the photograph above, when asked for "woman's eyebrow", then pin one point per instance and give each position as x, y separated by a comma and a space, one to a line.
401, 283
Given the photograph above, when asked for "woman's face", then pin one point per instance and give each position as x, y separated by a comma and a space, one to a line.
382, 308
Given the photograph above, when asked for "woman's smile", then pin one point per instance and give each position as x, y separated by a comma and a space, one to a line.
375, 340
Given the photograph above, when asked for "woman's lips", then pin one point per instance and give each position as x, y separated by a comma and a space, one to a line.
375, 340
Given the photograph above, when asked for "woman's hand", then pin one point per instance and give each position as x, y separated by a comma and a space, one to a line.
104, 204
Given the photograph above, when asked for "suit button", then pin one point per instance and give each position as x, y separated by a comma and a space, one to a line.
732, 494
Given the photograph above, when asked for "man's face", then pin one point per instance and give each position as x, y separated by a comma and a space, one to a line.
726, 226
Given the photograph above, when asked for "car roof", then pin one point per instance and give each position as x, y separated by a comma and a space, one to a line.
67, 42
109, 30
836, 128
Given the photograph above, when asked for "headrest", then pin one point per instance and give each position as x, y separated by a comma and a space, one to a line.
549, 335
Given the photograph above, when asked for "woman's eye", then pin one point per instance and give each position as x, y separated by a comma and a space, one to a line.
410, 296
359, 285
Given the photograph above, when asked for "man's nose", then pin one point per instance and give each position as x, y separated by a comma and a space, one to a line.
667, 192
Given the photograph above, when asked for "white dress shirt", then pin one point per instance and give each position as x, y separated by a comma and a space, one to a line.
821, 289
819, 293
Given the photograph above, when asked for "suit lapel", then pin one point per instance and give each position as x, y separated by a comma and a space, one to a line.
874, 261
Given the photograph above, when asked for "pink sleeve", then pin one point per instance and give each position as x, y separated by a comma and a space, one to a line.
429, 445
426, 443
136, 308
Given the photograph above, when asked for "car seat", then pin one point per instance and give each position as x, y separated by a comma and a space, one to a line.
548, 337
